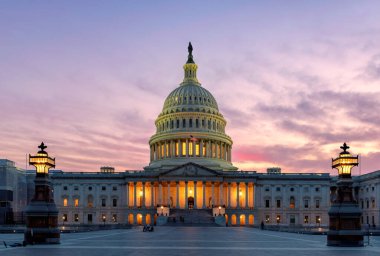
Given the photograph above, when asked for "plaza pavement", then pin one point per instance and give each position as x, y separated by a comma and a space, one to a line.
186, 241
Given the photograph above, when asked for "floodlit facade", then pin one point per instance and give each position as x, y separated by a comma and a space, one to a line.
191, 179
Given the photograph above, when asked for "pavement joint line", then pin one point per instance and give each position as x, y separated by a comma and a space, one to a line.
90, 237
282, 237
325, 248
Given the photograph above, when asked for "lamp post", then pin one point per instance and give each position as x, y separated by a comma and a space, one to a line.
42, 213
63, 220
219, 209
104, 220
344, 213
162, 210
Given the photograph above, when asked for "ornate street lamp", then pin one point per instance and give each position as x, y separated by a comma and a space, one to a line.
42, 213
345, 162
344, 213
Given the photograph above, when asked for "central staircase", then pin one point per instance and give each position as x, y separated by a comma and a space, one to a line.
191, 217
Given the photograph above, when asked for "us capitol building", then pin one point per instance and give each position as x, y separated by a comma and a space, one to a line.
190, 179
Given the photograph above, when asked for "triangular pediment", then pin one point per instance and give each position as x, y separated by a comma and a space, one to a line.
190, 170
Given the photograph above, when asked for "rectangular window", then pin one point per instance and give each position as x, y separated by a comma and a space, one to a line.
190, 123
362, 203
203, 123
76, 202
183, 123
204, 150
267, 205
267, 219
306, 220
103, 188
306, 203
167, 150
190, 148
278, 202
89, 218
65, 188
176, 149
197, 148
114, 188
317, 202
218, 150
367, 203
177, 124
103, 202
75, 188
196, 123
114, 202
373, 220
76, 217
278, 189
213, 150
65, 202
183, 148
114, 218
292, 220
162, 150
373, 203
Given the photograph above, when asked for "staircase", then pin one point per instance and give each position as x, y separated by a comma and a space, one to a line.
191, 217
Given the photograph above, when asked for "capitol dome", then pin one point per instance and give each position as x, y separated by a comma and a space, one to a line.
190, 127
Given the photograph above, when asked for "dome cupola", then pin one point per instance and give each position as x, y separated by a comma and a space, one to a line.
190, 127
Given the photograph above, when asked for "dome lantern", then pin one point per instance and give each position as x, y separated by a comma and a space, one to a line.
190, 68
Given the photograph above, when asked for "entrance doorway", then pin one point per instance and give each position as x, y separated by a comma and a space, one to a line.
190, 202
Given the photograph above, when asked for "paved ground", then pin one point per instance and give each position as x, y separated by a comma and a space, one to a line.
187, 241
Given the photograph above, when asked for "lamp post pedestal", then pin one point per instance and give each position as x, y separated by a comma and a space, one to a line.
344, 213
42, 213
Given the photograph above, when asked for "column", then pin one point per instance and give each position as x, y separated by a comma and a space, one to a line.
160, 193
126, 194
164, 149
237, 194
186, 199
209, 149
177, 196
246, 194
151, 194
229, 196
221, 193
187, 148
201, 149
193, 147
195, 195
212, 194
134, 194
168, 194
143, 195
204, 194
179, 148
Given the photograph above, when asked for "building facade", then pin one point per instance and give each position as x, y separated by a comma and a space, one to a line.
191, 180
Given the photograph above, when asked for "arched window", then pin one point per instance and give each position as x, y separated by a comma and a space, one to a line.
292, 202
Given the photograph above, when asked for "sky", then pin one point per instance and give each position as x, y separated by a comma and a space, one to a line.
294, 79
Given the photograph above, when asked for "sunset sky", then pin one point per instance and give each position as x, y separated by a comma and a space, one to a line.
294, 79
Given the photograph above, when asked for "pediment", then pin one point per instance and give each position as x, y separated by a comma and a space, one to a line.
190, 170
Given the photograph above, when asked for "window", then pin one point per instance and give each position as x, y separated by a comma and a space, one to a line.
292, 220
64, 217
177, 124
292, 202
184, 148
373, 203
373, 188
65, 202
89, 218
76, 188
317, 219
367, 201
306, 220
367, 191
103, 188
176, 149
197, 148
90, 188
196, 123
203, 123
190, 123
317, 202
114, 218
267, 205
65, 188
278, 219
373, 220
367, 219
190, 148
90, 201
76, 202
114, 188
306, 203
278, 203
278, 189
362, 203
291, 189
266, 189
114, 202
103, 202
267, 219
76, 217
183, 123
